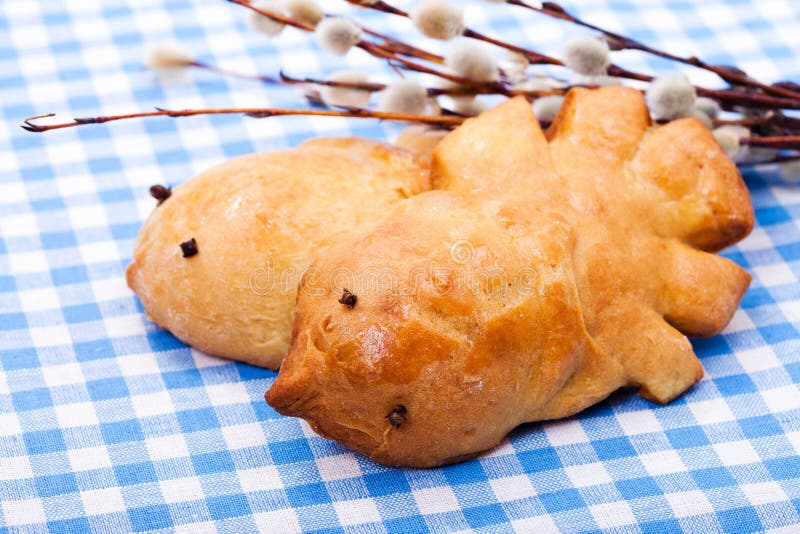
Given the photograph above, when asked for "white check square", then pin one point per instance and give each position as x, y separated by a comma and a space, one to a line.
614, 514
260, 479
512, 488
338, 467
103, 501
436, 500
181, 489
165, 447
357, 512
23, 512
89, 458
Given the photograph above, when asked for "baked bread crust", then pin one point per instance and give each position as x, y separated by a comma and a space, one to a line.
258, 220
549, 272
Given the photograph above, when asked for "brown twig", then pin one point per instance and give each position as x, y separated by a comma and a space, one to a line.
372, 87
770, 124
377, 51
779, 142
728, 74
776, 159
531, 55
742, 98
233, 73
390, 44
401, 47
260, 113
383, 52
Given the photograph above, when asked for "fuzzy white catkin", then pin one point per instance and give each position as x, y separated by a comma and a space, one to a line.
546, 108
600, 80
515, 65
670, 97
709, 106
586, 55
307, 11
790, 171
345, 96
337, 35
728, 137
469, 59
537, 84
168, 56
468, 107
263, 24
703, 117
438, 19
404, 96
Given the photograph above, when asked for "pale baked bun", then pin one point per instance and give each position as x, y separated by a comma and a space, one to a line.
258, 220
549, 272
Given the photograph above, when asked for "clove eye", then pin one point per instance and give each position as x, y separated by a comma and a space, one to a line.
397, 416
348, 299
189, 248
160, 193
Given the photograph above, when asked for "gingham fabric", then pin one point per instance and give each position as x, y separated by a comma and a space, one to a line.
109, 424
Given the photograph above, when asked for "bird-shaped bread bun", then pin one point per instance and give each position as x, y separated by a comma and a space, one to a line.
547, 272
218, 261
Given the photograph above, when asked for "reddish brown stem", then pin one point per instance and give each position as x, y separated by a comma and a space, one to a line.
382, 52
752, 100
260, 113
779, 142
726, 97
390, 43
375, 50
554, 10
776, 159
235, 74
363, 86
732, 97
404, 48
532, 56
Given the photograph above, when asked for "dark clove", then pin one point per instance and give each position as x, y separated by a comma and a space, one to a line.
189, 248
348, 298
397, 416
160, 193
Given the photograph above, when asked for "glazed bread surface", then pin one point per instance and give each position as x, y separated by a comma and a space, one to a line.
258, 221
548, 271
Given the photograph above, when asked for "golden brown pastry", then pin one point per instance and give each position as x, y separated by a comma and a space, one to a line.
549, 272
257, 221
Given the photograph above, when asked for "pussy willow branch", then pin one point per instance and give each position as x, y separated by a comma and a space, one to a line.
382, 52
375, 50
531, 55
779, 142
390, 43
373, 87
725, 96
432, 91
259, 113
406, 49
777, 159
234, 73
555, 10
445, 121
771, 124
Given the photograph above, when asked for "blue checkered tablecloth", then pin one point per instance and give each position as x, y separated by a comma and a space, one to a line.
109, 424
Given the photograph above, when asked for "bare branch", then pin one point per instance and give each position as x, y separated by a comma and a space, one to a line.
444, 121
